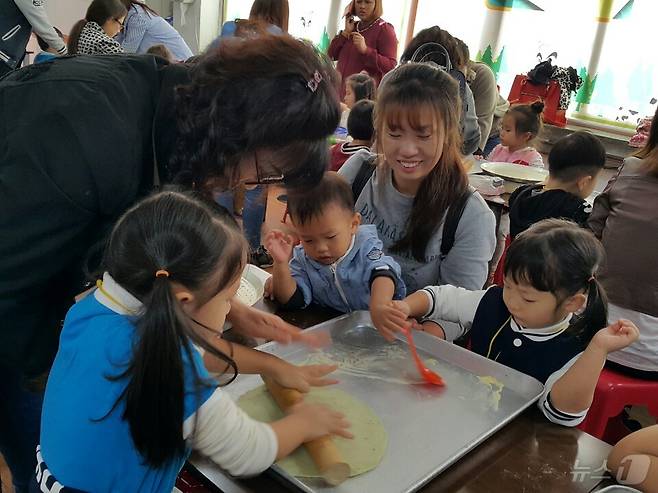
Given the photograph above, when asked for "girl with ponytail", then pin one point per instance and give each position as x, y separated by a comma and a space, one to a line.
549, 320
131, 383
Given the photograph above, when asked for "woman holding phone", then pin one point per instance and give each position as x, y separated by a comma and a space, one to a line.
367, 43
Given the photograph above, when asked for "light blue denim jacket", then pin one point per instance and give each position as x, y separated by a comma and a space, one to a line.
345, 285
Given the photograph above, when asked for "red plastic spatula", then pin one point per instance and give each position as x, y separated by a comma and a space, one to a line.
428, 375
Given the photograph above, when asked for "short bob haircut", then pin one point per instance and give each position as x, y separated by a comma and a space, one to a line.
306, 205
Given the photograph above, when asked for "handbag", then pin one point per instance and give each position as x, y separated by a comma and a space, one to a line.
524, 91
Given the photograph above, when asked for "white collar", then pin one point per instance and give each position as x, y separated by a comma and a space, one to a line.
543, 333
111, 295
335, 264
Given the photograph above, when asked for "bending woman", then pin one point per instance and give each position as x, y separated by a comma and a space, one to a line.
145, 28
119, 120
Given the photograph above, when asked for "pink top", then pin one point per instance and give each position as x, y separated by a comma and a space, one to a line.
379, 58
527, 156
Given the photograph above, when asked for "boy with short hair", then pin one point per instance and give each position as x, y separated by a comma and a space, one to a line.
575, 162
339, 263
361, 128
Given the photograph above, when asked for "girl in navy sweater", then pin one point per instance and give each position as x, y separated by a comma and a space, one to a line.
536, 323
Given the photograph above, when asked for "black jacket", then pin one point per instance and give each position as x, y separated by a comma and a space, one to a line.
76, 150
530, 204
15, 32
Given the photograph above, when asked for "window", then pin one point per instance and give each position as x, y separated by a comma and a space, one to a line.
307, 20
627, 75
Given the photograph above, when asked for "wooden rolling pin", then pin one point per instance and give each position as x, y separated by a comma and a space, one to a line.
322, 450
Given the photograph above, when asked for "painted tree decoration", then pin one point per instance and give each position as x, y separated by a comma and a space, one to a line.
584, 94
323, 45
488, 59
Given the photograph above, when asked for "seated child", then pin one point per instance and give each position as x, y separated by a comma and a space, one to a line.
520, 126
133, 379
357, 87
534, 323
47, 53
339, 264
633, 461
360, 128
161, 51
575, 162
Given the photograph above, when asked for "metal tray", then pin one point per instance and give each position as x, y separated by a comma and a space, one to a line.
429, 427
616, 488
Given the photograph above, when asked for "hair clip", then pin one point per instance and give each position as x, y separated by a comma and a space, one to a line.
161, 273
314, 81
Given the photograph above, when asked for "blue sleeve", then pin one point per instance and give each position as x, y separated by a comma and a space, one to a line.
135, 29
378, 264
196, 392
300, 275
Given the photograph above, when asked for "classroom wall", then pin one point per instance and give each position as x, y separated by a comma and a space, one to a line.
64, 13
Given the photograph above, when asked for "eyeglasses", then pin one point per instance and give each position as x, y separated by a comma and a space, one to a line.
265, 180
121, 23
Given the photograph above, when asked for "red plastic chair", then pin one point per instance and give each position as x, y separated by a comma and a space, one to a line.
613, 392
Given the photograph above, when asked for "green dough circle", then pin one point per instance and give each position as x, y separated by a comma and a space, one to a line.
363, 453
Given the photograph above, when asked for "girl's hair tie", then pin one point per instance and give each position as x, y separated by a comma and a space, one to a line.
591, 278
161, 273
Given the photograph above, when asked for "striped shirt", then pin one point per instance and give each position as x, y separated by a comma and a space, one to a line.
143, 29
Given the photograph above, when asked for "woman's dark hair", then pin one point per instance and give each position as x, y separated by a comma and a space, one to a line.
129, 3
435, 34
363, 86
649, 153
202, 251
359, 123
99, 11
527, 117
409, 90
561, 258
305, 205
274, 12
42, 42
254, 94
577, 155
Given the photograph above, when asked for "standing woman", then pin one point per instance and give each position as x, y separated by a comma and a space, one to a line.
369, 44
145, 28
94, 35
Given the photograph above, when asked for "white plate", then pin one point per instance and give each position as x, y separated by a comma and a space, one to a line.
252, 285
515, 172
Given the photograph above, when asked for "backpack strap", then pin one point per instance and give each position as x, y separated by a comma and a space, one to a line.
453, 217
365, 172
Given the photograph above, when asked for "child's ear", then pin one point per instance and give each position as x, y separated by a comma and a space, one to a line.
356, 222
574, 303
182, 294
584, 182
